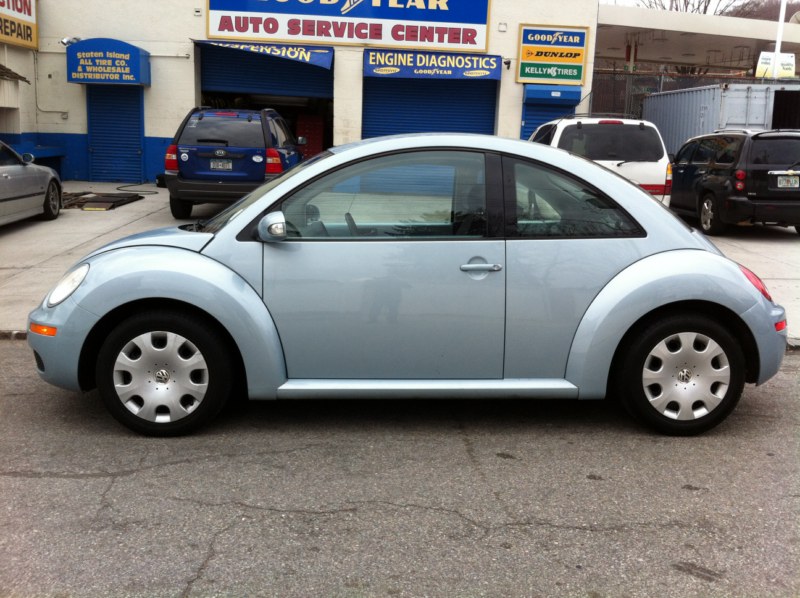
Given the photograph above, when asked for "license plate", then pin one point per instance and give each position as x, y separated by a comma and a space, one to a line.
788, 182
221, 165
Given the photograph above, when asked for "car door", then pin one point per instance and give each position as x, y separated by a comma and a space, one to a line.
20, 191
390, 272
285, 142
566, 241
688, 175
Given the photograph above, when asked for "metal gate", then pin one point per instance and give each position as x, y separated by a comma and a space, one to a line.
116, 132
428, 105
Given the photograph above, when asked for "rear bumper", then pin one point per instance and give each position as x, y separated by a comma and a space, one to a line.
741, 209
207, 191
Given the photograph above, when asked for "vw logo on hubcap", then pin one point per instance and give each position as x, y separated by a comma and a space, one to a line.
162, 376
684, 376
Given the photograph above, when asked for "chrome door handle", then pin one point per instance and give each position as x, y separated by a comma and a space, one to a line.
481, 268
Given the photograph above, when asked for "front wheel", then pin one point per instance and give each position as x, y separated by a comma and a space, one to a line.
682, 375
180, 209
163, 373
709, 215
52, 202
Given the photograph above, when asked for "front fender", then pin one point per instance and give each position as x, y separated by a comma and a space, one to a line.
128, 275
649, 284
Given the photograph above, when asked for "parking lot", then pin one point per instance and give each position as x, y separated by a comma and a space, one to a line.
397, 498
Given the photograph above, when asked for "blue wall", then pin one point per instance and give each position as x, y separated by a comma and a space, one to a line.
69, 153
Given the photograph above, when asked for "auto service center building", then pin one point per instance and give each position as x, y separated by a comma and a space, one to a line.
97, 89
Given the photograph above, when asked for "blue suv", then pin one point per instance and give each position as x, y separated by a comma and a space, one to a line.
219, 155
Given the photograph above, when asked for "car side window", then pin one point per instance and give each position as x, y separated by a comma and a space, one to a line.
7, 157
421, 194
706, 150
684, 154
549, 203
284, 133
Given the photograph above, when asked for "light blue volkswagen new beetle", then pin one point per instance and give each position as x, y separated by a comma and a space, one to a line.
422, 266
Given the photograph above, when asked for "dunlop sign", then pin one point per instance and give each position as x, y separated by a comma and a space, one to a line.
552, 55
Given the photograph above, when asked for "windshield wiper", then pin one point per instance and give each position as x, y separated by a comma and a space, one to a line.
636, 160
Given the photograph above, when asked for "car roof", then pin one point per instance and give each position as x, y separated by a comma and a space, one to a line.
591, 120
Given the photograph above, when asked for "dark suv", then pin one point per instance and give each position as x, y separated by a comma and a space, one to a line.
217, 156
731, 177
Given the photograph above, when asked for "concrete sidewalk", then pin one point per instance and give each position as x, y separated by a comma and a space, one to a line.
35, 254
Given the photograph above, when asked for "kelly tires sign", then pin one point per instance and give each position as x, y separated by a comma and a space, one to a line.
419, 24
552, 55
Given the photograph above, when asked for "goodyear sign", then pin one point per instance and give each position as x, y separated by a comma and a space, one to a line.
18, 23
418, 24
552, 55
402, 64
103, 60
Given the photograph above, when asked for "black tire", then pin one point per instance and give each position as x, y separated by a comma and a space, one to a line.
708, 212
681, 375
52, 202
162, 373
180, 209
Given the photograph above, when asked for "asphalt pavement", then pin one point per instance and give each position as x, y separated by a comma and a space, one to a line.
34, 254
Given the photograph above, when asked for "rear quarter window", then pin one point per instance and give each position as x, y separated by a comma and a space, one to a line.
223, 132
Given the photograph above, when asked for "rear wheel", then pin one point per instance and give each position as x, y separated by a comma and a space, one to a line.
52, 202
682, 375
180, 209
709, 215
163, 373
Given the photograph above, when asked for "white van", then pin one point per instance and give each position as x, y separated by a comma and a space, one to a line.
632, 148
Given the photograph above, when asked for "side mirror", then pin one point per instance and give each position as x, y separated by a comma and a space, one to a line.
27, 158
272, 227
301, 140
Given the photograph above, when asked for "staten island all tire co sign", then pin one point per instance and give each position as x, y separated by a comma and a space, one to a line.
552, 54
420, 24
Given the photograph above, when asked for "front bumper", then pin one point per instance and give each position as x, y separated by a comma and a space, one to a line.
58, 357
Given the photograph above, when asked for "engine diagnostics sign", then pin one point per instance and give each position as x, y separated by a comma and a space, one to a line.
552, 55
420, 24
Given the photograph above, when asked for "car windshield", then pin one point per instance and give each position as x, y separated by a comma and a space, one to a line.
227, 215
613, 142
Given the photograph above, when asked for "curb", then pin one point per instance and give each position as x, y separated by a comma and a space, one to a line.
792, 344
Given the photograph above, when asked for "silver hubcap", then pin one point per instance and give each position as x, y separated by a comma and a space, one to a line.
160, 376
686, 376
52, 198
707, 213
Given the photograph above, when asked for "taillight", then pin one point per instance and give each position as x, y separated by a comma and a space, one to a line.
171, 158
756, 282
739, 177
274, 165
668, 181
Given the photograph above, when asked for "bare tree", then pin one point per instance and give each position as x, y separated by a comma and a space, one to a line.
766, 10
713, 7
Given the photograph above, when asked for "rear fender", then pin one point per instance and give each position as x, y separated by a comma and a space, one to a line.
644, 287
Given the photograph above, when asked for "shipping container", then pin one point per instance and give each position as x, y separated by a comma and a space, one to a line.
684, 113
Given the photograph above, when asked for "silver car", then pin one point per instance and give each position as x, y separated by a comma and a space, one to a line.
27, 189
421, 266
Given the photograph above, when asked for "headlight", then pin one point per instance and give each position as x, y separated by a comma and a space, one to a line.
67, 285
